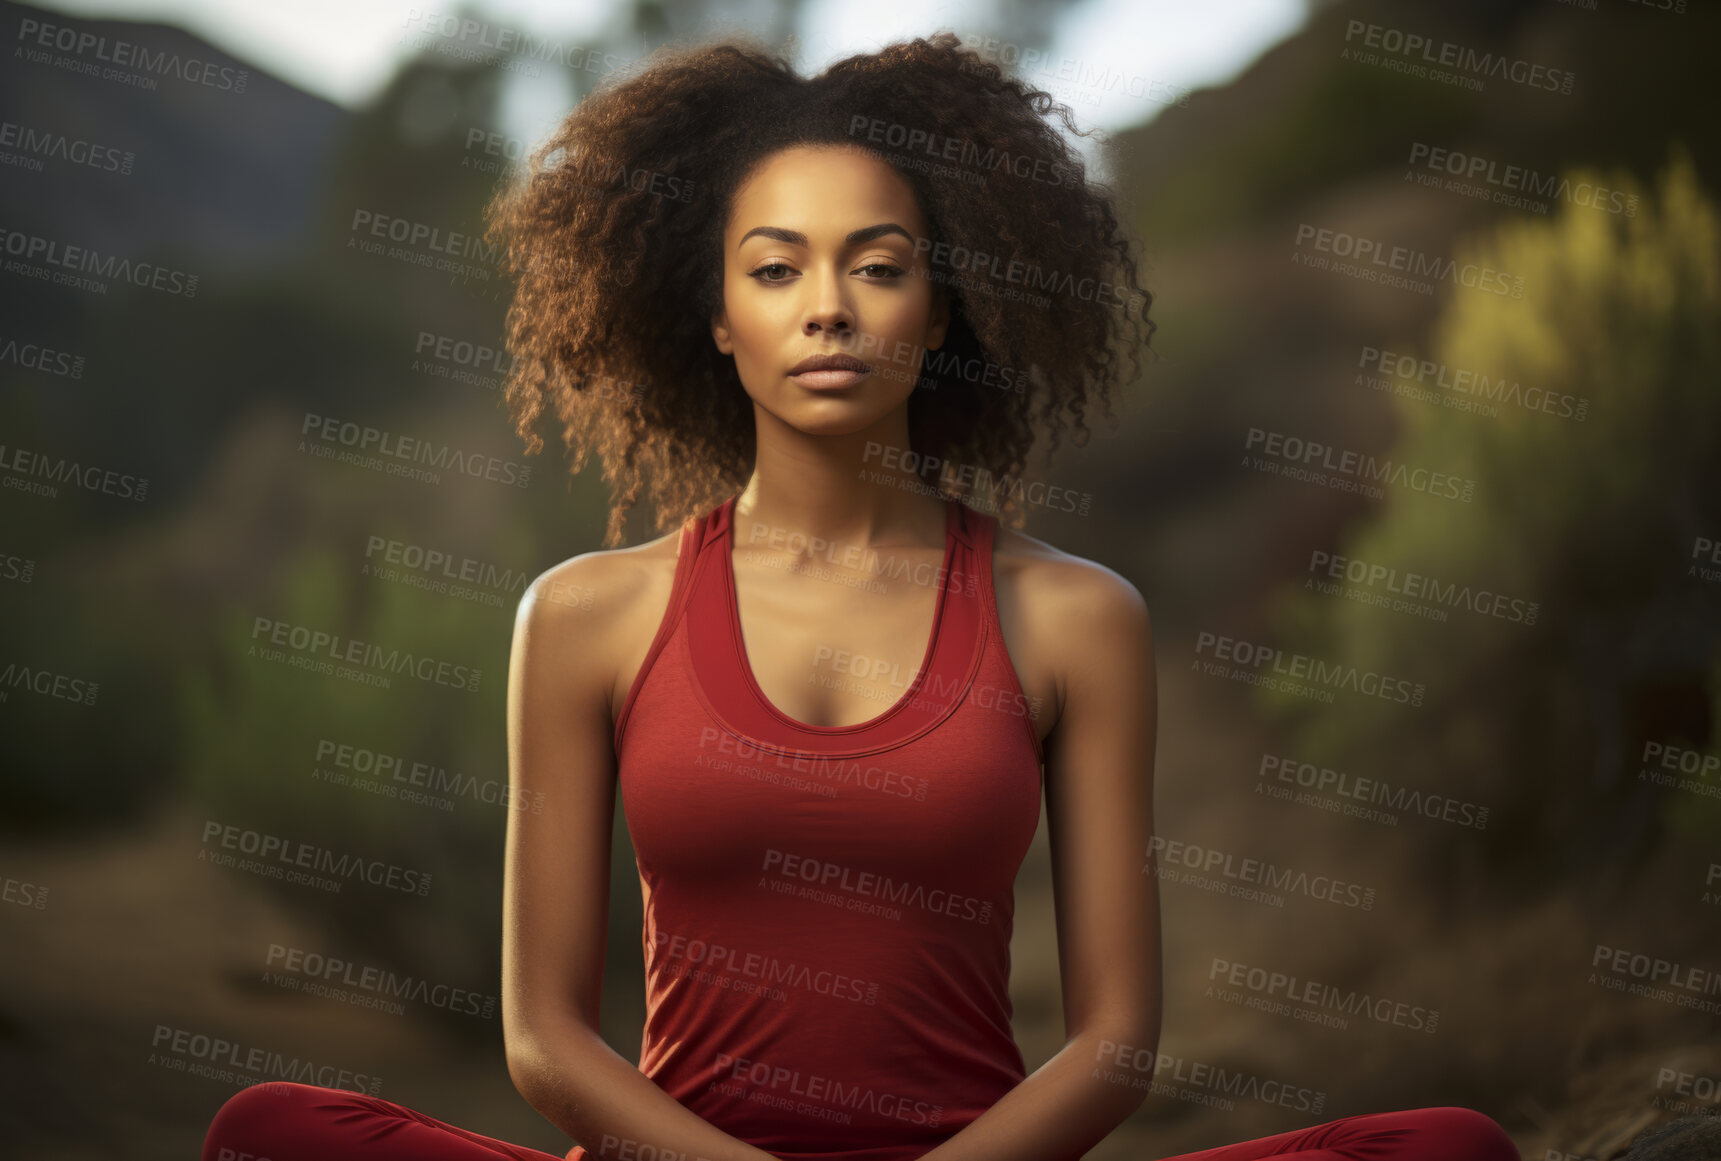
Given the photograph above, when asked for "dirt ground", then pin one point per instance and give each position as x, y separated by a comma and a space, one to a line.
138, 940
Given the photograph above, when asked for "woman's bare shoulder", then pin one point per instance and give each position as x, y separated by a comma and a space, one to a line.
597, 612
1059, 584
589, 601
614, 577
1062, 615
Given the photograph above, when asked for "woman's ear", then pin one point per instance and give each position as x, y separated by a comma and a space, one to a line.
720, 331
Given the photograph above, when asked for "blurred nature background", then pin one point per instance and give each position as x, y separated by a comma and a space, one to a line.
1575, 703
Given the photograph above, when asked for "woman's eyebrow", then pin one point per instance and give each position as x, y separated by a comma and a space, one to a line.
853, 238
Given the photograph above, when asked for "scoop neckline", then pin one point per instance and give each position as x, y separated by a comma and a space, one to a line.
745, 663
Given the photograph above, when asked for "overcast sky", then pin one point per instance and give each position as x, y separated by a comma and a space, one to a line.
345, 50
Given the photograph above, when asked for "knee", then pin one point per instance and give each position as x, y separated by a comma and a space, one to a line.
251, 1118
1474, 1135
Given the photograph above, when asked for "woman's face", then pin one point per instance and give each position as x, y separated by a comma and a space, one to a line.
819, 259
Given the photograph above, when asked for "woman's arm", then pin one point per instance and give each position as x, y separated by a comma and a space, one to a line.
561, 772
1099, 809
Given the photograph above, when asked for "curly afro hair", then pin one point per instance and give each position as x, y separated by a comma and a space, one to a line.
612, 234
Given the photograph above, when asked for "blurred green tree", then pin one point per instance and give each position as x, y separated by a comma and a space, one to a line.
258, 724
1597, 471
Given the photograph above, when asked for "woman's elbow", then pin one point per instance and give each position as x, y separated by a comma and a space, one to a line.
525, 1067
537, 1048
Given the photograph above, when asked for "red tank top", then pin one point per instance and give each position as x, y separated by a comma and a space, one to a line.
828, 908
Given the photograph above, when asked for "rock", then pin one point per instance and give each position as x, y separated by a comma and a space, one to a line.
1689, 1138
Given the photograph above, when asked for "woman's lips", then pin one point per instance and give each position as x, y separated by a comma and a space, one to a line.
825, 380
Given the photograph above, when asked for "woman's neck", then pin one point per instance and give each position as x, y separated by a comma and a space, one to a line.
858, 492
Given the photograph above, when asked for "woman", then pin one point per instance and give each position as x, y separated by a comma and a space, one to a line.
898, 273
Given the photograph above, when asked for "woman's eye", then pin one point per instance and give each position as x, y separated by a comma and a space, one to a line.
875, 270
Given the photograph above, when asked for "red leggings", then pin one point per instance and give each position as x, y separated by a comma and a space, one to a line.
283, 1121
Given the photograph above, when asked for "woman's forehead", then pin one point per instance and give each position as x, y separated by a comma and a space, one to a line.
823, 193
